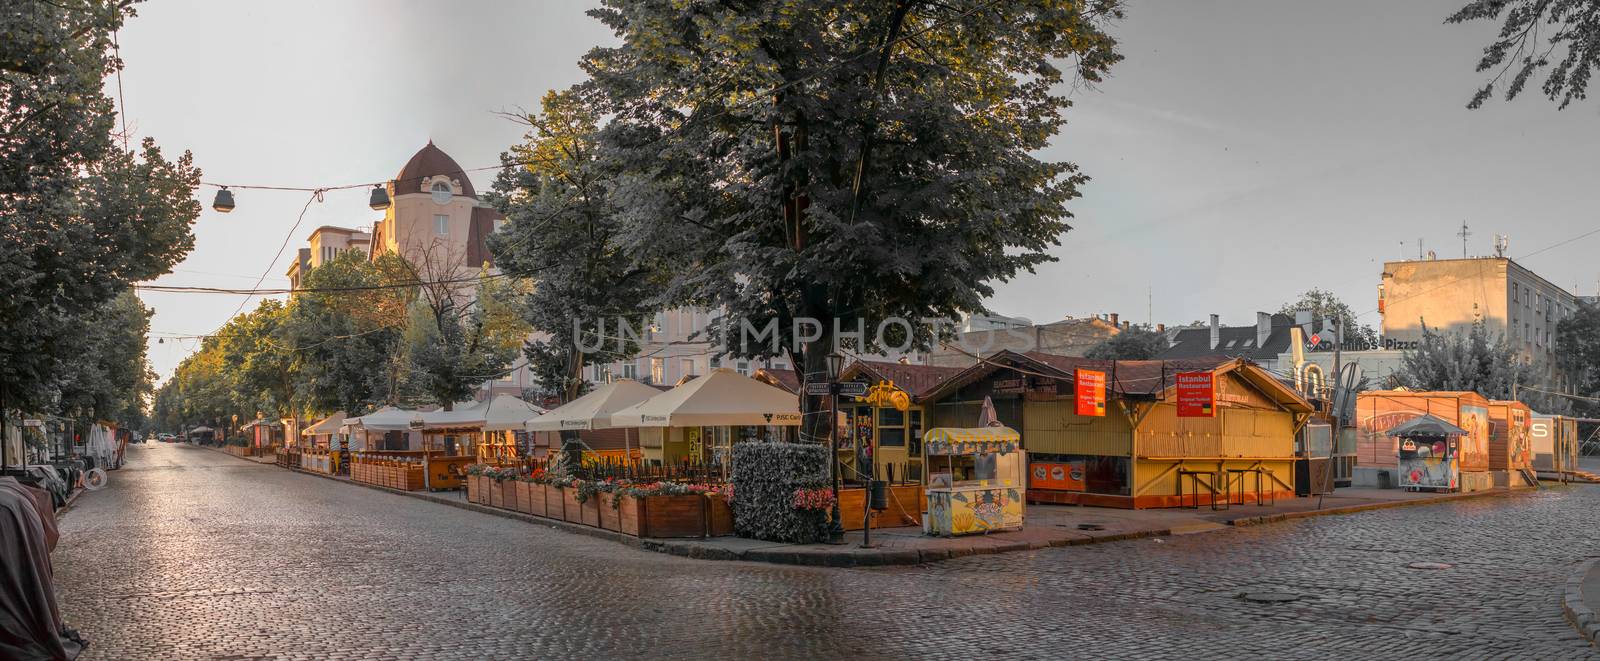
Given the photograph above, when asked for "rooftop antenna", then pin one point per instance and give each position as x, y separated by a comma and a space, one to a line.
1420, 253
1502, 243
1463, 234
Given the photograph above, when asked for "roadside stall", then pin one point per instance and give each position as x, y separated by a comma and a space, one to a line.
1553, 441
387, 428
318, 452
698, 422
1378, 412
592, 412
975, 480
1428, 455
1510, 460
503, 419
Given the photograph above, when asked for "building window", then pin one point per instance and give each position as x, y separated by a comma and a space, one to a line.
441, 224
630, 370
441, 192
744, 367
716, 362
658, 370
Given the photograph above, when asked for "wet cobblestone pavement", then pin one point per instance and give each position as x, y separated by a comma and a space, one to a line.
194, 554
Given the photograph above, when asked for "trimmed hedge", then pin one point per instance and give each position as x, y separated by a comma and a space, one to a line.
765, 477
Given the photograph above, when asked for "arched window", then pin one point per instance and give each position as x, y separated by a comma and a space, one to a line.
441, 192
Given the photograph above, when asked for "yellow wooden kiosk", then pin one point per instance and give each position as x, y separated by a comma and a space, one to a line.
976, 480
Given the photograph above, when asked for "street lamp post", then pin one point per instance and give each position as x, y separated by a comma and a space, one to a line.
835, 366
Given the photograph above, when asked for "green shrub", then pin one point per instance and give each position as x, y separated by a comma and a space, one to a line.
765, 477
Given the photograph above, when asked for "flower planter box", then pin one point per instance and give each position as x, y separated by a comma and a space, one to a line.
719, 517
905, 503
525, 502
508, 496
497, 495
483, 483
673, 516
610, 515
572, 510
473, 490
629, 513
591, 511
554, 504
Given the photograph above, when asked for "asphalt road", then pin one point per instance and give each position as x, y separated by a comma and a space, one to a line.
190, 553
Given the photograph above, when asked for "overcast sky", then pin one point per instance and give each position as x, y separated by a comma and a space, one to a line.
1244, 152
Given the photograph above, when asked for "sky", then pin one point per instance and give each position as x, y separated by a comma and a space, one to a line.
1243, 153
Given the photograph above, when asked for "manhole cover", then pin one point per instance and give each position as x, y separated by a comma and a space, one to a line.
1269, 597
1090, 526
1429, 565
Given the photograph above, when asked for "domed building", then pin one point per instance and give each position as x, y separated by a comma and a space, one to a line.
434, 220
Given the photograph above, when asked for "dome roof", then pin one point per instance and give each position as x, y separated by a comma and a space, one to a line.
428, 162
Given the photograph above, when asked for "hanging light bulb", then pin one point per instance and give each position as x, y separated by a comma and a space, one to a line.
380, 198
224, 201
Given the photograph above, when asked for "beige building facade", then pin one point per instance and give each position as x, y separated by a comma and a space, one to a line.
1449, 295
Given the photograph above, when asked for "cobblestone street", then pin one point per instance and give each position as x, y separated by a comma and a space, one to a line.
192, 553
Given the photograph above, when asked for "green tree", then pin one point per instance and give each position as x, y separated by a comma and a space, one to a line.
840, 160
1323, 305
564, 227
107, 377
453, 348
1134, 343
1562, 36
80, 217
258, 362
1578, 346
344, 332
1473, 360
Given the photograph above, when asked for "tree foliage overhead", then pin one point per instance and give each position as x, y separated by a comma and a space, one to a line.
1474, 360
1578, 348
1323, 305
80, 218
1561, 36
1132, 343
841, 159
563, 226
346, 339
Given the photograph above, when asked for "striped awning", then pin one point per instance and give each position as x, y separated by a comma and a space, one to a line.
970, 440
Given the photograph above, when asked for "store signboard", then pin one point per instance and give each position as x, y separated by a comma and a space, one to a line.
1090, 386
1197, 395
1057, 475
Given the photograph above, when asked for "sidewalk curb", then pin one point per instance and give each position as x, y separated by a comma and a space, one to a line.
785, 555
1365, 507
1580, 615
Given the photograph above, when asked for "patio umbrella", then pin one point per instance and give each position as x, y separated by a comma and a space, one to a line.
987, 417
721, 398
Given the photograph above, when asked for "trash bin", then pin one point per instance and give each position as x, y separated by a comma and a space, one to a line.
1385, 480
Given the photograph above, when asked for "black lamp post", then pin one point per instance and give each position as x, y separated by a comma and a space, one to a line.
835, 367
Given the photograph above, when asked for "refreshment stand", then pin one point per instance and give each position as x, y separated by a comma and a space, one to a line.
975, 482
1429, 454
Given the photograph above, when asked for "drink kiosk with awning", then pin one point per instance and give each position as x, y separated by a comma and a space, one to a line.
1428, 454
976, 482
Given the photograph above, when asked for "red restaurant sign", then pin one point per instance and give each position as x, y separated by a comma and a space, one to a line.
1197, 395
1090, 386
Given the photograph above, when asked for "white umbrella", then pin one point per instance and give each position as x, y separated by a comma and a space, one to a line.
507, 412
721, 398
594, 410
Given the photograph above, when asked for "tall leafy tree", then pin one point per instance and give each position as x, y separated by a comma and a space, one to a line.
108, 377
80, 217
1474, 360
1560, 36
258, 361
452, 347
1578, 346
1323, 305
840, 160
564, 227
344, 331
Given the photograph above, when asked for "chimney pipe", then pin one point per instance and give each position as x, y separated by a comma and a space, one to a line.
1216, 332
1113, 318
1263, 328
1161, 328
1125, 324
